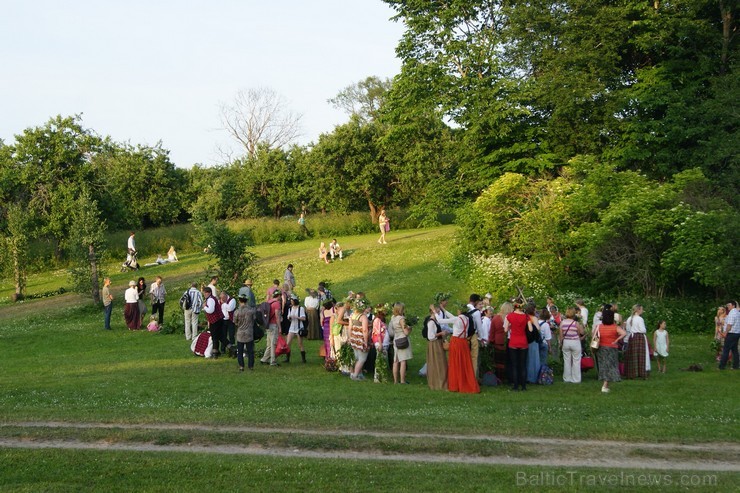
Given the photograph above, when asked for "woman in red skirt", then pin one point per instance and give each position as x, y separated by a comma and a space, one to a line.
460, 375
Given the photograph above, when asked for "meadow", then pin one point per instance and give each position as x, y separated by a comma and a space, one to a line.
60, 366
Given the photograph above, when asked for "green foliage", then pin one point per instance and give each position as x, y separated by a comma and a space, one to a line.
229, 248
86, 245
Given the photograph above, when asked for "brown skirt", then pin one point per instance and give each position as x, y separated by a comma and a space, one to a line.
314, 327
131, 316
436, 365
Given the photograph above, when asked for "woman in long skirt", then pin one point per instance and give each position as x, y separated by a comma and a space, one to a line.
436, 357
460, 374
533, 351
637, 359
131, 312
609, 334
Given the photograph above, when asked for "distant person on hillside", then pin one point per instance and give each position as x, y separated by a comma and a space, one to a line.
107, 302
384, 225
131, 309
302, 224
289, 277
335, 250
172, 254
131, 245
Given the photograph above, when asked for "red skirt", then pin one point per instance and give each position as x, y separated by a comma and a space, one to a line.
460, 375
131, 316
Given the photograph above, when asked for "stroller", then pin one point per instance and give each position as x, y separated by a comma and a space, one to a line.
131, 262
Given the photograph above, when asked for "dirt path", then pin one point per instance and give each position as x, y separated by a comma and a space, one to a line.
553, 452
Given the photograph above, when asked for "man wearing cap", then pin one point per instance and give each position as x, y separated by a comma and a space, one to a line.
246, 291
273, 322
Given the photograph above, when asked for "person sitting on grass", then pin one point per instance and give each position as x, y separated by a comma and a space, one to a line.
153, 325
335, 250
323, 253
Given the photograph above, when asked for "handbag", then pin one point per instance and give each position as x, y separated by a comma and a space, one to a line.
402, 342
595, 340
282, 346
587, 362
446, 345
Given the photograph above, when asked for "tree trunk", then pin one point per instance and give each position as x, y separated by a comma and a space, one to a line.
726, 14
19, 275
94, 286
373, 212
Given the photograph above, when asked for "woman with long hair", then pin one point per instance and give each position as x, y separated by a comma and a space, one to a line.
570, 335
436, 357
297, 318
398, 330
498, 337
637, 359
141, 291
533, 349
381, 341
383, 225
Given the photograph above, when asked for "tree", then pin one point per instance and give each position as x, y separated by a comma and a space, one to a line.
259, 116
363, 99
230, 249
16, 246
87, 246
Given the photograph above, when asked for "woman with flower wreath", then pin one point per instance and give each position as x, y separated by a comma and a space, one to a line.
339, 332
460, 374
398, 330
359, 335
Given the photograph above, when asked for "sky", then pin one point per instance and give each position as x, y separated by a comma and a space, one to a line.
143, 71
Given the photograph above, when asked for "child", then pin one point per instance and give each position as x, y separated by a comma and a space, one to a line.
661, 342
153, 326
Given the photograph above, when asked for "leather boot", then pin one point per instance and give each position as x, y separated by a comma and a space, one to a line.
303, 356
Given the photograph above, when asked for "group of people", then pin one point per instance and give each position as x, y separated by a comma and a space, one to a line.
135, 307
334, 251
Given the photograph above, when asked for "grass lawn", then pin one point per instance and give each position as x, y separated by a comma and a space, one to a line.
59, 365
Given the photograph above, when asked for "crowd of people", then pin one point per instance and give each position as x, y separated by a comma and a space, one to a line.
477, 345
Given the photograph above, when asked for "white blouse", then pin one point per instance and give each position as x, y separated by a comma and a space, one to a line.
636, 325
131, 295
458, 326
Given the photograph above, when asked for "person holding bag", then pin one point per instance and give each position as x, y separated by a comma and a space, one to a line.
297, 317
399, 332
609, 334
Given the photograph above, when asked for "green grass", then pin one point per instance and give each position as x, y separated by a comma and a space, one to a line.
113, 471
71, 370
59, 365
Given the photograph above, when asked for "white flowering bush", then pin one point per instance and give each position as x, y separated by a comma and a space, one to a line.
501, 274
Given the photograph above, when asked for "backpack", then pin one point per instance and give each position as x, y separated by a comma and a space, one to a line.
472, 328
186, 303
545, 376
424, 327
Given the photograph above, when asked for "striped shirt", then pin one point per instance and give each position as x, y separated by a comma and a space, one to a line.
733, 319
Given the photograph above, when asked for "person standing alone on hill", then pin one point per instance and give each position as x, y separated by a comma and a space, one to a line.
384, 225
131, 245
289, 277
107, 302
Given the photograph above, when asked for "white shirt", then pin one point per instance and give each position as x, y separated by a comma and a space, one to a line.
296, 315
545, 330
584, 316
311, 302
458, 326
597, 321
485, 330
636, 325
227, 307
131, 243
476, 318
442, 313
131, 295
210, 305
431, 330
214, 290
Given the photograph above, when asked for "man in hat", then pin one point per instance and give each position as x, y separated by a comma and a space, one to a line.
246, 292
